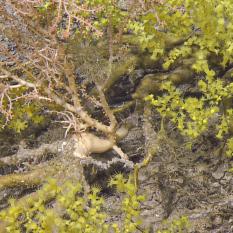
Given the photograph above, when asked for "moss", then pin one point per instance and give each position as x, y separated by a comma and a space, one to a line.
119, 69
29, 179
150, 84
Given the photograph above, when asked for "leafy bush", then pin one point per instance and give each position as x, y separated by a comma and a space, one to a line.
65, 208
203, 31
206, 26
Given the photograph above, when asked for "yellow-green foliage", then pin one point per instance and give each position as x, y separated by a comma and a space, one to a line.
130, 203
21, 112
193, 115
65, 208
204, 24
176, 226
207, 31
22, 115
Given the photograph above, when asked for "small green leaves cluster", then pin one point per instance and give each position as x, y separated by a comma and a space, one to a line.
176, 226
22, 114
192, 115
45, 6
195, 21
130, 204
68, 209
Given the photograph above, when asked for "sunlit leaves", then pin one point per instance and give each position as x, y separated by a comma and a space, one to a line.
67, 208
206, 24
130, 203
191, 115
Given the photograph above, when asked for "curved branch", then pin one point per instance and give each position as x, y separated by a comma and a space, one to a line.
91, 122
28, 179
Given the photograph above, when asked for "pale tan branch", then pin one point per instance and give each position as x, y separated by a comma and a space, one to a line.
91, 122
16, 78
108, 111
72, 86
120, 152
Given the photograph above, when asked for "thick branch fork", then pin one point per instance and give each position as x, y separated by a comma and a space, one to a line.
76, 108
77, 146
